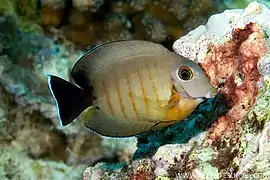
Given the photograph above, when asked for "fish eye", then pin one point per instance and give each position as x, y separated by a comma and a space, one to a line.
185, 73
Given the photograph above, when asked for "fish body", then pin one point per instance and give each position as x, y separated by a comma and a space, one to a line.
124, 88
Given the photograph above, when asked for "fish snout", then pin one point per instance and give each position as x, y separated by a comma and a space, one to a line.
211, 93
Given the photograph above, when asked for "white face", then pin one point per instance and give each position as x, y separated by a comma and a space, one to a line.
190, 81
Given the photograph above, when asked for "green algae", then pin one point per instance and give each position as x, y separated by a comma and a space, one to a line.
203, 155
37, 168
6, 7
26, 13
241, 4
210, 172
260, 113
203, 158
26, 9
162, 178
232, 4
253, 156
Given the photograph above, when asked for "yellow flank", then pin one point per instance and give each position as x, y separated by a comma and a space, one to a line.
179, 108
174, 112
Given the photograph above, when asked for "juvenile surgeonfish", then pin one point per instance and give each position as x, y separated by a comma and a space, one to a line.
124, 88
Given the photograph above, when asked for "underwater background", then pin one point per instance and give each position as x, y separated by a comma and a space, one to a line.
40, 37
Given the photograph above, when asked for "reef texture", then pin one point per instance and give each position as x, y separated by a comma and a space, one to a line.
90, 22
233, 49
32, 144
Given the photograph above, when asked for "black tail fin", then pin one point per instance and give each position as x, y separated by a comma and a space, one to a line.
70, 99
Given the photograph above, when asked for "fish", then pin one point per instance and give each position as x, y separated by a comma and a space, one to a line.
129, 87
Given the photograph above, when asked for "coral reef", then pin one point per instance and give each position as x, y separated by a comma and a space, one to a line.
55, 18
90, 22
207, 145
28, 121
13, 168
233, 49
238, 77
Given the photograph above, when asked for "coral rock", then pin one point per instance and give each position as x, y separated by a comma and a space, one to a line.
147, 27
86, 35
231, 53
50, 16
17, 165
77, 18
231, 66
178, 8
160, 11
84, 5
130, 7
54, 3
28, 117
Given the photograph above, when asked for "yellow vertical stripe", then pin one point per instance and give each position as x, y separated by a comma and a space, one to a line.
119, 96
107, 97
130, 94
153, 84
144, 94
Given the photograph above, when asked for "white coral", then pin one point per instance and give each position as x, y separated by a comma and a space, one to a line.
195, 44
218, 30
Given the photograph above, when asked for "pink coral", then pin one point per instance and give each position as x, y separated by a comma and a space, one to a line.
140, 175
141, 170
233, 68
92, 173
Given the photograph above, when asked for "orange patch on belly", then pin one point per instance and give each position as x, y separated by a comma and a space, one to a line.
179, 108
174, 112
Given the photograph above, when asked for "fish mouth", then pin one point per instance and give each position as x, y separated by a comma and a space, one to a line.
180, 91
211, 93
